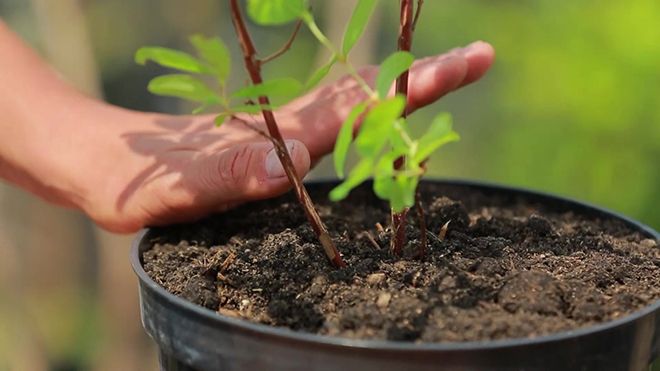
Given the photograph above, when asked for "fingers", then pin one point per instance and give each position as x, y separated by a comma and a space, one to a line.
479, 56
245, 172
319, 121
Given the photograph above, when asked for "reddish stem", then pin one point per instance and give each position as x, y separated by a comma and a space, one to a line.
253, 67
406, 21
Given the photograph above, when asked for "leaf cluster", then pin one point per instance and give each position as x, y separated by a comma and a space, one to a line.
384, 135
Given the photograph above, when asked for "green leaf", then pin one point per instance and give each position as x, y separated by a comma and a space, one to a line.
283, 87
169, 58
344, 138
275, 12
357, 24
438, 134
319, 74
383, 186
200, 109
396, 139
221, 118
391, 68
361, 172
378, 125
183, 86
402, 195
214, 52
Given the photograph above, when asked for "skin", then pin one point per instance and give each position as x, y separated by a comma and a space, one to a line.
129, 169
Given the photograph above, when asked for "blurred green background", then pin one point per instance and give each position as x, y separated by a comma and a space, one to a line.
571, 106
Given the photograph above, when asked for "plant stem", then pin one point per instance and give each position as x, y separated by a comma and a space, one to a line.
406, 21
253, 68
285, 47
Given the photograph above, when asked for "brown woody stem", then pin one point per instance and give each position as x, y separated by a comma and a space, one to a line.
406, 21
285, 47
253, 67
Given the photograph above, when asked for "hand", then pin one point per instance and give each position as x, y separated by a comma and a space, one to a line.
129, 169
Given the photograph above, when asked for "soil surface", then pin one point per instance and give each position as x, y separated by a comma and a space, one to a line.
505, 268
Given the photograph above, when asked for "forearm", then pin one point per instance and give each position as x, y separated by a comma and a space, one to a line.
40, 123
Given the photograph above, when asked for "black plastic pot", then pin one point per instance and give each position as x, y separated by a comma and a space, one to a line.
190, 337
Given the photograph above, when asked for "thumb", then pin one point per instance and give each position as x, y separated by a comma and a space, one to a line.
247, 171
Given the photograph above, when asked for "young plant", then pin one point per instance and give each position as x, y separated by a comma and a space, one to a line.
386, 149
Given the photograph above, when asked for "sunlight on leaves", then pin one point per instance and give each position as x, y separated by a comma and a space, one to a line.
169, 58
438, 134
183, 86
275, 12
377, 126
361, 172
344, 138
391, 68
320, 74
357, 24
214, 52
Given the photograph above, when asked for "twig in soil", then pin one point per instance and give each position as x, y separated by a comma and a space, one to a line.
228, 260
443, 231
373, 241
253, 67
222, 278
379, 228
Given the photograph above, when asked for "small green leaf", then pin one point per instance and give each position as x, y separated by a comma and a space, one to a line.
200, 109
183, 86
221, 118
344, 138
396, 136
283, 87
357, 24
377, 126
319, 74
275, 12
383, 186
214, 52
169, 58
402, 195
361, 172
391, 68
438, 134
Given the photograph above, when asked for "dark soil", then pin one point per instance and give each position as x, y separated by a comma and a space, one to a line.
506, 268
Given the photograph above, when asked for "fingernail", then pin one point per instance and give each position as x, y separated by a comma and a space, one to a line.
273, 165
471, 48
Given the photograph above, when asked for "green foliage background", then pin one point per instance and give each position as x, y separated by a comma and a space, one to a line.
571, 106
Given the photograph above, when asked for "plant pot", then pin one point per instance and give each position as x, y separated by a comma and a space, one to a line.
190, 337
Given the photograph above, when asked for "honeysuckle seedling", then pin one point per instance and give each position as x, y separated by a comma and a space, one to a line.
383, 138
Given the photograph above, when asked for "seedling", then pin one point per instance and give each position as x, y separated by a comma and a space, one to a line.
385, 148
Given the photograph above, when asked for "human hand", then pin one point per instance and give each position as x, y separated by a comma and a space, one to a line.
129, 169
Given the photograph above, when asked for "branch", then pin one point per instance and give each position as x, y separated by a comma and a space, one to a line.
253, 68
404, 44
284, 47
418, 10
254, 128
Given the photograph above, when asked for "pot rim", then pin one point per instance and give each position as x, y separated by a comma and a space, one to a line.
285, 334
